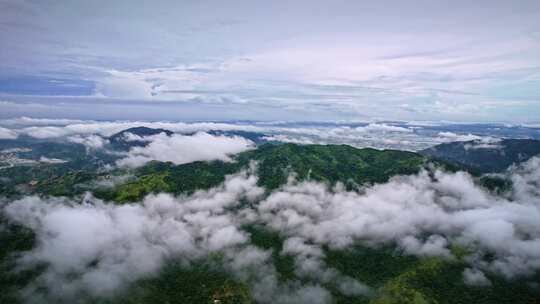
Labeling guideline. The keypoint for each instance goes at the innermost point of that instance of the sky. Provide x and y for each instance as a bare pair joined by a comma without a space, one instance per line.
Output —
467,61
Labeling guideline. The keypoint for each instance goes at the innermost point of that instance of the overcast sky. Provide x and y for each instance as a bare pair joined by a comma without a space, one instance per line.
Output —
267,60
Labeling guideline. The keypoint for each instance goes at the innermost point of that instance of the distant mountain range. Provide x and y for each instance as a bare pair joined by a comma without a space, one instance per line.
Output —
331,163
483,156
479,156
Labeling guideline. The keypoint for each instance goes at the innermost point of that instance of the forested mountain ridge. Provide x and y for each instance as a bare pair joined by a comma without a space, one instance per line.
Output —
485,156
274,164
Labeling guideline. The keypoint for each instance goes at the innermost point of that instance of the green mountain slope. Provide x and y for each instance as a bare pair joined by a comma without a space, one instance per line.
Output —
76,165
275,163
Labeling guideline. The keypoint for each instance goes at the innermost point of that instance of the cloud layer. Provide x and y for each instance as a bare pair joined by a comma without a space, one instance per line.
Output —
422,215
90,142
7,133
181,149
379,134
96,248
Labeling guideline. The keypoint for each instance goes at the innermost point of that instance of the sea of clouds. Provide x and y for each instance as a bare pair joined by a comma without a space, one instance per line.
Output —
98,248
412,136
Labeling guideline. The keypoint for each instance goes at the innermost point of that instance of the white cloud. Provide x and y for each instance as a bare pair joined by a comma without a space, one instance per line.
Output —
421,214
123,85
289,139
45,132
7,134
47,160
128,136
376,127
99,248
90,141
30,121
181,149
108,128
395,136
128,242
451,136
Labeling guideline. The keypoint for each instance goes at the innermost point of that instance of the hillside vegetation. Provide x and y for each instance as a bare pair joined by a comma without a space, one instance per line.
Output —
275,163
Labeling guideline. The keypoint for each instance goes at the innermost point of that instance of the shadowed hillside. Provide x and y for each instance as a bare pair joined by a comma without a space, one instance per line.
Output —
485,157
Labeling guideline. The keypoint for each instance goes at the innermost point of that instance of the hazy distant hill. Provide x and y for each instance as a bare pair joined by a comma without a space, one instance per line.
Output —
257,138
121,140
485,156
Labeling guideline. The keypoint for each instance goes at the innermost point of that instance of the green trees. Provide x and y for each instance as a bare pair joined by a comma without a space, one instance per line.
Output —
275,163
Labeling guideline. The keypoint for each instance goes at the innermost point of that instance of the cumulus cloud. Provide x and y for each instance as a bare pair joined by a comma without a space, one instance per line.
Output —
525,179
128,136
90,141
422,214
181,149
98,248
7,133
